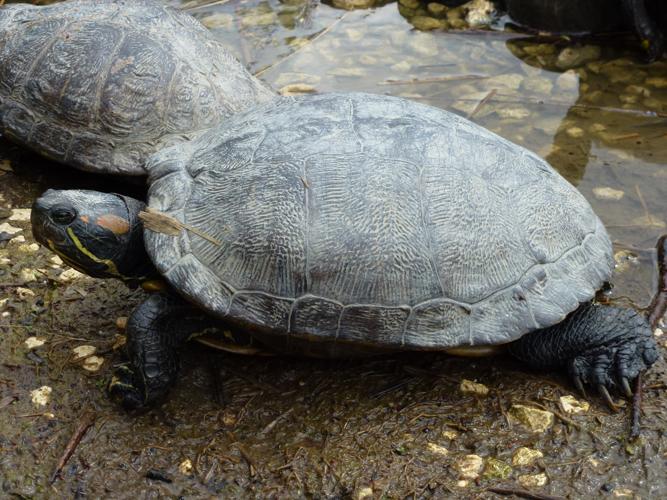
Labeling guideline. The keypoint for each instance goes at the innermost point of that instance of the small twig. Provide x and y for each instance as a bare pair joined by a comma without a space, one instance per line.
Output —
521,493
649,218
310,42
85,422
275,421
635,428
482,102
659,303
433,79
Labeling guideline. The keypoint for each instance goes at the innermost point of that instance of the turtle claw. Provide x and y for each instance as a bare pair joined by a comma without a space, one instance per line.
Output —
578,383
125,389
602,390
626,387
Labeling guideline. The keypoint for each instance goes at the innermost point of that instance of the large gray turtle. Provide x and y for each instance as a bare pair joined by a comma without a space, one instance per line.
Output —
102,84
348,224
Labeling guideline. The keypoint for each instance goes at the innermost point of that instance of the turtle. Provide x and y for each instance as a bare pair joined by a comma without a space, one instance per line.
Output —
100,85
352,224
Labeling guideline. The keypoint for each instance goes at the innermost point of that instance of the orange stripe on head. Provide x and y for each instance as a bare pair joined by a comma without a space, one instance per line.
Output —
85,218
113,223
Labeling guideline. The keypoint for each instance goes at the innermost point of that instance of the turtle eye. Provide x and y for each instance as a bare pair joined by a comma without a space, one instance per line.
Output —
62,215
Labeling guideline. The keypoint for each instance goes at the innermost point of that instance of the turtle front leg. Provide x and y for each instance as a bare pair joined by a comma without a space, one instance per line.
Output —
156,330
646,28
602,346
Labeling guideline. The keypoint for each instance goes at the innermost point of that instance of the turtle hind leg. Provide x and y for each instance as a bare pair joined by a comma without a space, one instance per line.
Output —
156,330
603,347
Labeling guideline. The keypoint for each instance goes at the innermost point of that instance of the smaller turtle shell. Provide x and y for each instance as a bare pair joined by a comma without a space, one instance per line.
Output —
101,85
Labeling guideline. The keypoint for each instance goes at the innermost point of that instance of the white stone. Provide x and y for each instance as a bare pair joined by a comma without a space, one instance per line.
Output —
20,214
532,480
607,193
6,227
534,419
69,275
364,492
34,342
185,467
41,396
437,449
83,351
470,387
569,404
470,466
93,363
525,456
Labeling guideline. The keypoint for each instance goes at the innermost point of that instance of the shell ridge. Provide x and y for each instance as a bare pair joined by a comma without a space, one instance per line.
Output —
97,103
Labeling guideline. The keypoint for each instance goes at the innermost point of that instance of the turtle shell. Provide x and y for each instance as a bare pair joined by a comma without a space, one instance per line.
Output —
376,221
102,84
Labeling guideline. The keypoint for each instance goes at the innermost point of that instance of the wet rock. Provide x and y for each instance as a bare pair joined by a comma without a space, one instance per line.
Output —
470,466
425,23
219,20
658,82
624,260
437,9
437,449
410,4
93,363
20,215
258,17
83,351
353,4
479,12
532,480
470,387
34,342
607,193
525,456
539,49
572,57
513,112
41,396
571,405
497,469
533,418
297,89
575,132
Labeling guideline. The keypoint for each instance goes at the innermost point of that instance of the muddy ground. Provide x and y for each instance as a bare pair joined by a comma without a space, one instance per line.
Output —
392,427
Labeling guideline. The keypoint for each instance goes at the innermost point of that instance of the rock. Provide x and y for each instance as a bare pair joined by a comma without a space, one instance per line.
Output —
532,480
538,85
508,80
353,4
534,419
425,23
657,332
27,275
511,112
497,469
607,193
437,449
462,483
659,82
297,89
364,492
470,466
20,215
69,275
34,342
575,132
258,18
28,248
470,387
569,404
637,90
410,4
624,260
185,467
83,351
5,227
479,12
93,363
525,456
572,57
449,434
596,128
41,396
219,20
623,493
57,261
435,8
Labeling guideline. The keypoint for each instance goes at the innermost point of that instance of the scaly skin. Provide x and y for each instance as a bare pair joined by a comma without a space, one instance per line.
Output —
603,346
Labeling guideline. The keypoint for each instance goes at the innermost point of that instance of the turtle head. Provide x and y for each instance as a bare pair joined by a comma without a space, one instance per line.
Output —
99,234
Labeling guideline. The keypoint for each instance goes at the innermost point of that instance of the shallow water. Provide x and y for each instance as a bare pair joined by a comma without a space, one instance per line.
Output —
299,427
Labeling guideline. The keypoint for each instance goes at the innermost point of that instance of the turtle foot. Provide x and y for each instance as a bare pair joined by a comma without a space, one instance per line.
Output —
127,389
614,367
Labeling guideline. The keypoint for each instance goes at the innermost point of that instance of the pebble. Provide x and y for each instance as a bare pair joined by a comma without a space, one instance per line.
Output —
69,275
426,23
470,466
6,227
24,293
525,456
534,419
513,112
219,20
364,492
297,89
449,434
532,480
41,396
480,12
658,332
27,275
571,57
538,85
435,8
470,387
20,214
34,342
575,132
93,363
497,469
185,467
437,449
353,4
83,351
607,193
571,405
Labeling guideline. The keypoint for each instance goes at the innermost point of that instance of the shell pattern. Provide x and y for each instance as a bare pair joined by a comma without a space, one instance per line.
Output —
100,85
372,220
